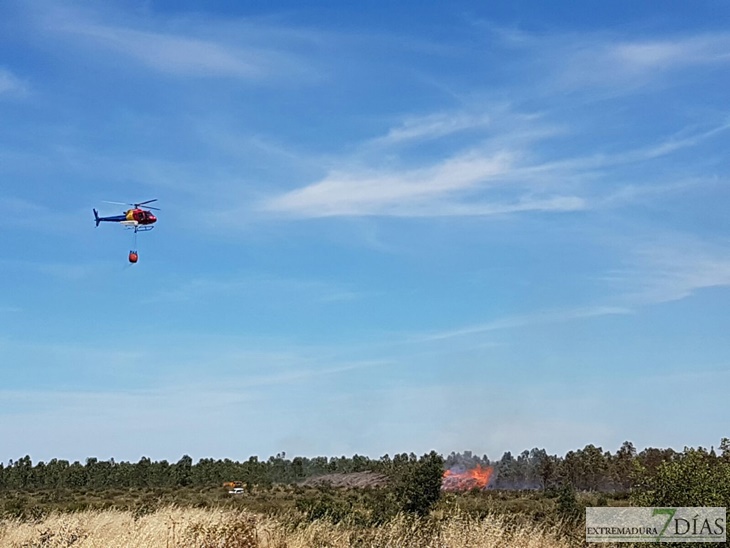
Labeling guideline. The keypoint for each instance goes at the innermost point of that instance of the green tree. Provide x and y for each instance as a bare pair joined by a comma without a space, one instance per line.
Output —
568,507
76,474
507,471
419,486
297,466
651,458
56,474
571,468
725,448
593,464
695,478
623,465
184,471
547,470
23,469
142,474
98,473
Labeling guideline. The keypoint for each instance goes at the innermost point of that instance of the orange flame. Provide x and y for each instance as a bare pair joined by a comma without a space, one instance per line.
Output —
476,478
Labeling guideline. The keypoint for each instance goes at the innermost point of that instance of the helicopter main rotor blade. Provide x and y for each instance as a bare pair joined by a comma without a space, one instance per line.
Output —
135,205
140,204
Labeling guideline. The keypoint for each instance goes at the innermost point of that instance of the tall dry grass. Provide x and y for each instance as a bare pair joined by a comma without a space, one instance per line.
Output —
175,527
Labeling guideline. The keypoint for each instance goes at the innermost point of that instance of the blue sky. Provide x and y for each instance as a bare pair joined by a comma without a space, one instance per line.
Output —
451,226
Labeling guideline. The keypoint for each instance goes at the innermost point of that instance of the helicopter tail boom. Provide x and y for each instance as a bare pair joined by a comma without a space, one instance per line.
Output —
112,219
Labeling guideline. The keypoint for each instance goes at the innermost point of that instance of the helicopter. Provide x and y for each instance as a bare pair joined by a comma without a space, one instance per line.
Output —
138,218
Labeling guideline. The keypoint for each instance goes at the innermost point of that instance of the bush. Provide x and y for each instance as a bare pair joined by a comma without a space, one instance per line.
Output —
419,486
568,507
695,478
320,507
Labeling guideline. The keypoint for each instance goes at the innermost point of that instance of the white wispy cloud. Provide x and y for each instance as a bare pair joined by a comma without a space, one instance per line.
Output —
637,193
225,387
10,84
591,165
673,268
66,271
600,60
205,48
198,288
76,355
22,206
179,54
603,62
293,376
673,53
526,320
39,217
490,175
343,193
490,156
484,180
433,126
687,138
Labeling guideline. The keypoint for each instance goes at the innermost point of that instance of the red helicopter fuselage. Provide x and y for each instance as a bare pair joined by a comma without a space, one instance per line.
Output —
142,216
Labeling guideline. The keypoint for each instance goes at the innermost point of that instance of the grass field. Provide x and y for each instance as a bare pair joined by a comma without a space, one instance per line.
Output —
283,517
229,528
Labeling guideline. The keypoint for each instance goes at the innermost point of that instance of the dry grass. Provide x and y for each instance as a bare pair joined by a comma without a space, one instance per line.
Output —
175,527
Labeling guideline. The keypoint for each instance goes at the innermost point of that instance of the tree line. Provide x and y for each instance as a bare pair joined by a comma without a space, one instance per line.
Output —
590,468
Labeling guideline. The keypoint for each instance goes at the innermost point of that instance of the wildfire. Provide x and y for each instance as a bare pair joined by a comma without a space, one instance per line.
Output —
476,478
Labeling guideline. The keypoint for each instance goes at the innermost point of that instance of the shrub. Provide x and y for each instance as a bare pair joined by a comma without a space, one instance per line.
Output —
419,486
